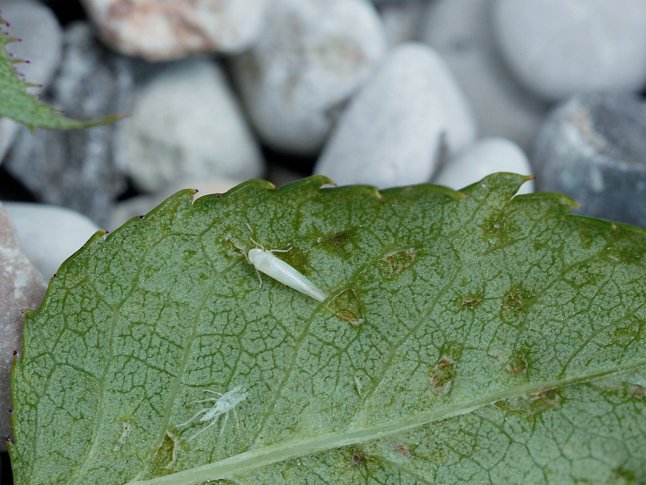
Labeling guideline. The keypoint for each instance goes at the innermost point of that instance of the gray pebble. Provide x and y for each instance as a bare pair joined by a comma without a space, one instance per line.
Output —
403,21
76,168
593,149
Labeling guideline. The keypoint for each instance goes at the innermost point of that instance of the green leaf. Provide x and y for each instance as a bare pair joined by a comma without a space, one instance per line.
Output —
467,337
16,102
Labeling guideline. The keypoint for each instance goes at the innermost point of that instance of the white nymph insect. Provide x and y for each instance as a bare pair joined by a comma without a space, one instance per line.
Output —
265,261
223,404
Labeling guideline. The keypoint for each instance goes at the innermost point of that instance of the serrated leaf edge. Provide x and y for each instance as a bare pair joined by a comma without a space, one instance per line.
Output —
275,453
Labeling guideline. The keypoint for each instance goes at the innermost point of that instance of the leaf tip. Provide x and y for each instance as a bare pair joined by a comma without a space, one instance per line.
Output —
106,120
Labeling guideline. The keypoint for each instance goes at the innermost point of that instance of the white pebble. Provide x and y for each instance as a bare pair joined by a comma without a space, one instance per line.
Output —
559,48
483,158
47,234
308,61
186,123
395,128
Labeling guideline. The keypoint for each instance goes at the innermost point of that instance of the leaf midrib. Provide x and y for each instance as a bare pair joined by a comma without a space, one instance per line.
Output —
291,449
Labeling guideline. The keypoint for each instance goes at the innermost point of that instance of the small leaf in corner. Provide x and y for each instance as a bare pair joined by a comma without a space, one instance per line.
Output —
19,105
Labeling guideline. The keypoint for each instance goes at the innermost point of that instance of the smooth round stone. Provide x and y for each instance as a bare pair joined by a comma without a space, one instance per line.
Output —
186,122
485,157
21,287
41,44
296,78
47,234
163,30
560,48
461,32
593,149
400,123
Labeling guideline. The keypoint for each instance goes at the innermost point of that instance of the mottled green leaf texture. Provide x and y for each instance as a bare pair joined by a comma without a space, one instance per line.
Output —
19,105
471,336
